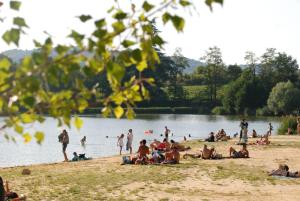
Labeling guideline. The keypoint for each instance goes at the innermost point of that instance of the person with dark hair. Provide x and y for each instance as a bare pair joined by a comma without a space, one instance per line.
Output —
64,139
211,137
283,170
164,146
143,151
167,131
6,194
129,141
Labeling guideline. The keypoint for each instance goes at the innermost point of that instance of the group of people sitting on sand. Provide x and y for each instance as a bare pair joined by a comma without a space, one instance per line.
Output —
6,194
161,153
220,136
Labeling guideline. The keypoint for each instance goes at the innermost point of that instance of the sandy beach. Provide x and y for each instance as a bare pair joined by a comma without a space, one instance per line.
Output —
192,179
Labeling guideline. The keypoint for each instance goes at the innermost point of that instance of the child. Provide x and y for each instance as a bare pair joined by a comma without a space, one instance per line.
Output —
121,142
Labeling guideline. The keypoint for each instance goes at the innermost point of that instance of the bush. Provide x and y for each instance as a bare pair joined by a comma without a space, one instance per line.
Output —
287,122
264,111
219,110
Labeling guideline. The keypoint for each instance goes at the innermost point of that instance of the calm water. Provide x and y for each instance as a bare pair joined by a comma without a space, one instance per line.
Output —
96,130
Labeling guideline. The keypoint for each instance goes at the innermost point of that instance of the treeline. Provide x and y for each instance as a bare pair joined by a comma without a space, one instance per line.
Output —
264,85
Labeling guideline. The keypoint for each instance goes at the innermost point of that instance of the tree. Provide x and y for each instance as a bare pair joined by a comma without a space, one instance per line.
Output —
284,98
214,71
247,92
26,94
251,61
233,72
180,63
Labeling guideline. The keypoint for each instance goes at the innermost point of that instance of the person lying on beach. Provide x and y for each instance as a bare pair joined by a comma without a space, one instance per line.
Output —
211,137
178,146
143,151
172,157
283,170
243,153
164,146
154,144
6,194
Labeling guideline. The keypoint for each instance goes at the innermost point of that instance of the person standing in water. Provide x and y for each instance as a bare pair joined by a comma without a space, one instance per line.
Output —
167,131
129,141
120,142
64,139
83,141
270,128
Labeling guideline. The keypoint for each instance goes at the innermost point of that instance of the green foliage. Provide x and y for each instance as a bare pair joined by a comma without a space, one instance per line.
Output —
264,111
284,98
246,92
219,110
287,122
60,85
15,5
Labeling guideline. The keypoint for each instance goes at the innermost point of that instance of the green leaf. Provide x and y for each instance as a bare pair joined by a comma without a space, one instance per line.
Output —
5,63
19,129
77,37
106,111
84,18
210,2
127,43
100,23
82,105
78,122
166,17
118,26
119,111
15,5
184,3
29,101
158,40
27,137
12,35
39,136
19,21
116,71
137,55
147,7
27,118
178,22
120,15
130,113
142,65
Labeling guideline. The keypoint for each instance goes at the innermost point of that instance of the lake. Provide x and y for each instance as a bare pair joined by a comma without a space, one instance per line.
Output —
98,145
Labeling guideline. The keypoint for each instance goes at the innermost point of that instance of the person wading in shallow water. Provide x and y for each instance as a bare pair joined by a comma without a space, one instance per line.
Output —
129,141
64,139
167,131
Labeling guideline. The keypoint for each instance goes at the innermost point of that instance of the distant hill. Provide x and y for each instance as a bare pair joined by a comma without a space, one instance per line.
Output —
16,55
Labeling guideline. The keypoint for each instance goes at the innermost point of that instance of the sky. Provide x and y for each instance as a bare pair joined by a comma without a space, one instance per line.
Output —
236,27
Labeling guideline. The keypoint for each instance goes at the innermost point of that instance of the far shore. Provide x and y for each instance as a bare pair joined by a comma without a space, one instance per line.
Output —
192,179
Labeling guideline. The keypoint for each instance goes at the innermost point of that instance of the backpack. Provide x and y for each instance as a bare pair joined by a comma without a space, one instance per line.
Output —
60,137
